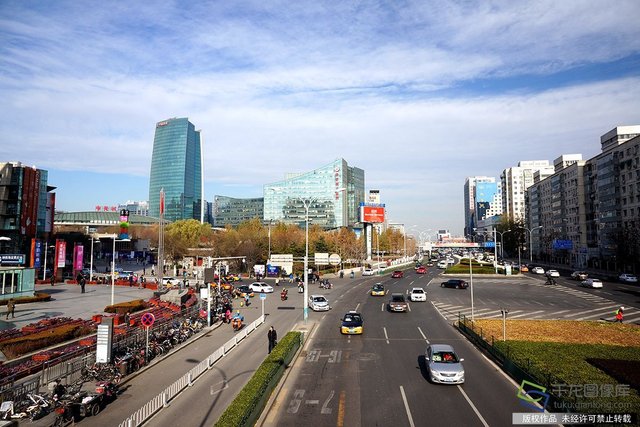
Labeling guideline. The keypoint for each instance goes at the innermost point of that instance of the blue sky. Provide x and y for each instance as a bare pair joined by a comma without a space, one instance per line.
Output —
418,94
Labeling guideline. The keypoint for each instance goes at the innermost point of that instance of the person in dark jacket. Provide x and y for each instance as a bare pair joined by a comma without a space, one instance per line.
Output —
272,335
11,307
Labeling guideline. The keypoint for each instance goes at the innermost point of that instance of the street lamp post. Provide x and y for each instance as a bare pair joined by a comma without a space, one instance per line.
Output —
502,242
530,240
306,204
471,283
91,261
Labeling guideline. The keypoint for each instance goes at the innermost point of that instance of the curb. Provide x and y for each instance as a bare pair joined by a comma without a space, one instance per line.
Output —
262,420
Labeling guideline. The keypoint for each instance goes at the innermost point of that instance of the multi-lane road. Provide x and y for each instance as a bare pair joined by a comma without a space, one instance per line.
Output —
379,378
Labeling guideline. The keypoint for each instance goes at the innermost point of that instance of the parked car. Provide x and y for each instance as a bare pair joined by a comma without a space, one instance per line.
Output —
421,270
524,268
352,324
579,275
553,273
537,270
443,364
591,283
417,294
398,274
261,287
455,283
367,272
397,303
378,290
429,264
628,278
318,303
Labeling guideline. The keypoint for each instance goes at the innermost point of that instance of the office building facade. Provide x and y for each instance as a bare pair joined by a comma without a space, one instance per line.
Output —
27,205
232,211
488,185
176,168
332,193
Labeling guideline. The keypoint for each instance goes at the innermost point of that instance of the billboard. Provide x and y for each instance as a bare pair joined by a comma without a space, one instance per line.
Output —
372,214
562,244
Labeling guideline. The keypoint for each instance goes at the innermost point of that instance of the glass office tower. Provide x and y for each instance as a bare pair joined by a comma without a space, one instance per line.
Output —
176,167
332,192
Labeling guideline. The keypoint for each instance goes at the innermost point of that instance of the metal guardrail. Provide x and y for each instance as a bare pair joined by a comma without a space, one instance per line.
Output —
173,390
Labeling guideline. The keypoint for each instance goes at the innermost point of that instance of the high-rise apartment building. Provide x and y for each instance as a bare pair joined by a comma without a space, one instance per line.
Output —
332,193
587,213
176,168
514,183
482,199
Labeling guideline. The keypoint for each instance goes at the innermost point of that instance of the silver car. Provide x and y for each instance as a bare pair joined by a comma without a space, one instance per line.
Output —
318,303
443,364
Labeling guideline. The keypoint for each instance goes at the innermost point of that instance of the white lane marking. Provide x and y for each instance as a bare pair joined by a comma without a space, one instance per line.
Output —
531,313
408,307
385,334
423,335
484,423
406,406
439,312
411,283
312,402
382,307
357,306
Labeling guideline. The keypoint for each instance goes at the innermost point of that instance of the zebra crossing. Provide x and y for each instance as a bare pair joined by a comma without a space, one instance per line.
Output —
604,312
577,293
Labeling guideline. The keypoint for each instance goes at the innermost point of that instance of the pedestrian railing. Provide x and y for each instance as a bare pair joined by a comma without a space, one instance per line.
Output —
173,390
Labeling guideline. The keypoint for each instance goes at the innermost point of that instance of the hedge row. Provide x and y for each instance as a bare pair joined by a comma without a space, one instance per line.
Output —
238,413
126,307
39,296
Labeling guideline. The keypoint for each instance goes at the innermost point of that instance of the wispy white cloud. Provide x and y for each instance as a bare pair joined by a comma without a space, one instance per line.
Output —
279,87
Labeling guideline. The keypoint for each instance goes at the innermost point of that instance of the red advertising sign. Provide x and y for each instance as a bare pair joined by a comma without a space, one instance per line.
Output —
78,257
372,214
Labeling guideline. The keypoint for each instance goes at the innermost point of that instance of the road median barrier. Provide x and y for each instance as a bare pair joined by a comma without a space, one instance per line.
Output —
249,403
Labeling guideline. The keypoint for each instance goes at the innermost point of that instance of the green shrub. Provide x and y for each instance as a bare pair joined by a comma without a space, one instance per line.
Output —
249,397
562,363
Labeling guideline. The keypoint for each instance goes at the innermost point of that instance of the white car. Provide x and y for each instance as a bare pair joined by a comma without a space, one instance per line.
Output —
261,287
537,270
553,273
417,294
442,264
367,272
628,278
591,283
318,303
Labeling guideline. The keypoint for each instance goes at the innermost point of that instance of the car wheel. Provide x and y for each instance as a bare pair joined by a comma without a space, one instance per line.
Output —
457,286
442,285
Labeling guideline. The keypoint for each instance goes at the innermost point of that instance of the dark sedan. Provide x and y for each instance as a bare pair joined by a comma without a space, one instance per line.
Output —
455,283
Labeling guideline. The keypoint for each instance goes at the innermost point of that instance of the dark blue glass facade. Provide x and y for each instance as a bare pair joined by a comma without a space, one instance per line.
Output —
176,167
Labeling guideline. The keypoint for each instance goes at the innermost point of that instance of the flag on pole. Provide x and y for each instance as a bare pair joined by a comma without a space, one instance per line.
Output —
161,201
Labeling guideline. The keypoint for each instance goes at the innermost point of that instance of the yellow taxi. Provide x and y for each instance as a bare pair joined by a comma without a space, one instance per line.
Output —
378,290
352,324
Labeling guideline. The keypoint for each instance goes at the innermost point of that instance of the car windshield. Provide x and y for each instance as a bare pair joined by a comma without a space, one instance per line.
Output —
445,357
352,318
378,288
319,299
418,291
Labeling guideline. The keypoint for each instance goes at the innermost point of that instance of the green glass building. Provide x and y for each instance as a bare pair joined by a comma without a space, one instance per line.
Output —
332,192
176,167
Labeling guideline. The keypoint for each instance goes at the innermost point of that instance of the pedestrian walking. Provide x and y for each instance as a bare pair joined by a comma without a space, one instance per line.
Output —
11,307
272,335
53,279
83,282
620,315
131,280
